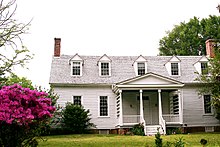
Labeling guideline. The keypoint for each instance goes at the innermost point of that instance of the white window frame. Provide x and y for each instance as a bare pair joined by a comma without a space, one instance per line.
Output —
100,71
136,67
203,104
201,68
178,63
80,68
99,106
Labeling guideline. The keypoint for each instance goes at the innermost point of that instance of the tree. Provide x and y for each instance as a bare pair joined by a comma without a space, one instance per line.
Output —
14,79
12,50
189,38
76,118
22,114
210,84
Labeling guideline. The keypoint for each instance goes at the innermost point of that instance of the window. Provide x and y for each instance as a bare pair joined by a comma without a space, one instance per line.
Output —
174,69
105,69
77,100
103,106
204,68
76,70
207,104
141,68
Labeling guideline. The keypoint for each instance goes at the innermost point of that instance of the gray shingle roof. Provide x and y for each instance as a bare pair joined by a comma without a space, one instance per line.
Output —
121,69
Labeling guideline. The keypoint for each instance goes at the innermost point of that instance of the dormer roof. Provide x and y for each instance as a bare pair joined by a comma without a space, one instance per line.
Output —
76,57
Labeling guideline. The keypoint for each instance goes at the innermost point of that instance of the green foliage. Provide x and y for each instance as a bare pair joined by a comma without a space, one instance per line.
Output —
210,84
188,38
76,118
14,79
179,142
158,139
138,129
13,52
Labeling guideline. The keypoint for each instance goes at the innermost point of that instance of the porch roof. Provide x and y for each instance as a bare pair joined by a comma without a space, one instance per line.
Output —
148,81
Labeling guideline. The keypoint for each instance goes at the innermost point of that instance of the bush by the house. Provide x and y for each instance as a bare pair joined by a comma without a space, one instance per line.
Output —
138,129
158,139
24,114
76,118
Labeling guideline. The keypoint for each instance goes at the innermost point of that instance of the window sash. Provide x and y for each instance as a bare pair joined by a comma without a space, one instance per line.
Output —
141,68
207,104
76,68
174,69
103,106
104,69
77,100
204,68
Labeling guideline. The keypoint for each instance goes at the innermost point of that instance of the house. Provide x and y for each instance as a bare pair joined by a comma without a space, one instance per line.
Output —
121,91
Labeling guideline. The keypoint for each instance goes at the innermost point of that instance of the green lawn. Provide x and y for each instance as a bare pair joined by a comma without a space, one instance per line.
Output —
94,140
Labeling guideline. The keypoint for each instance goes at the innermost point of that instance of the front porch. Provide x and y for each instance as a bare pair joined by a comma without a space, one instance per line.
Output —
155,106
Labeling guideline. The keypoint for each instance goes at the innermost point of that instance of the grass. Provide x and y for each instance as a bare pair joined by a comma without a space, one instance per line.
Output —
94,140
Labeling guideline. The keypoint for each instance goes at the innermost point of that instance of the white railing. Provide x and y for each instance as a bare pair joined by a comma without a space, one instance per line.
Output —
131,119
171,117
163,124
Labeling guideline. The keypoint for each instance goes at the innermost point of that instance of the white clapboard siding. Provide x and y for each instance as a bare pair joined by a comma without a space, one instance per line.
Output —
90,99
193,110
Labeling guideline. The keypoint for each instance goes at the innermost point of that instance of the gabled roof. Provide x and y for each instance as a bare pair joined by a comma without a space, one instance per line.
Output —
202,59
173,59
76,57
146,81
140,59
121,69
142,80
104,58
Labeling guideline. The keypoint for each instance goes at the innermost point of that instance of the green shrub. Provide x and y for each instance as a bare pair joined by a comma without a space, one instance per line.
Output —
138,129
76,119
158,139
179,142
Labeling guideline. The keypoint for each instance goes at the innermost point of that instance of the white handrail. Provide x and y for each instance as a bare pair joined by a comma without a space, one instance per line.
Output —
163,124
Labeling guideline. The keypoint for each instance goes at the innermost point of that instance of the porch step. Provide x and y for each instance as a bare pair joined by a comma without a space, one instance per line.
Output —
152,130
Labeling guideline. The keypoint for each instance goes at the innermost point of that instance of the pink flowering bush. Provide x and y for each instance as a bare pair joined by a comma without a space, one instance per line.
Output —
22,114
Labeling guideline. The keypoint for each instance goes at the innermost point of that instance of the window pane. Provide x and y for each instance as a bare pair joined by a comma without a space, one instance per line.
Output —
76,68
103,106
104,69
204,68
174,69
207,103
141,68
77,100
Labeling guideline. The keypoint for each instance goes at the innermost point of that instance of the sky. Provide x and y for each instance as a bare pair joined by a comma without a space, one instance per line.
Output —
97,27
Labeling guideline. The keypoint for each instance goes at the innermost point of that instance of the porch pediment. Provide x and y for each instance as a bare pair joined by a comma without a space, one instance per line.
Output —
150,80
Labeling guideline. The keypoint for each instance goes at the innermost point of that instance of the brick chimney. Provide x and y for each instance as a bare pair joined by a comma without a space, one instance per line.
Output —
210,47
57,42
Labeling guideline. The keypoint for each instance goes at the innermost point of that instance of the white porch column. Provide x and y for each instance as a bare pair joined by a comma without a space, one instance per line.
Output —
180,106
159,105
121,110
141,107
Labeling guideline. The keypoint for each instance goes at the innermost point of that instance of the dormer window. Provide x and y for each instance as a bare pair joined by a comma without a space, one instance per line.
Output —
104,69
76,63
104,64
76,69
204,68
141,68
174,69
173,66
201,65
